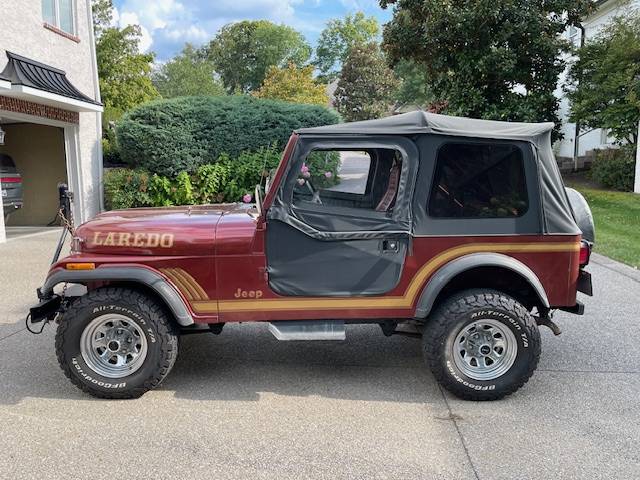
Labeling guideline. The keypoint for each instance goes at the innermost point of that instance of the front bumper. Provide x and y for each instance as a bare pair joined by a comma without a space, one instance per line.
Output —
46,309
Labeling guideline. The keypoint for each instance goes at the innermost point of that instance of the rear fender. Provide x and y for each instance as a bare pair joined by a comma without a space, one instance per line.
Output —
142,276
468,262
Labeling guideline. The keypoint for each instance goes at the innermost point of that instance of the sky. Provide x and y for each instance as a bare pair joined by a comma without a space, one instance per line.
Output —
168,24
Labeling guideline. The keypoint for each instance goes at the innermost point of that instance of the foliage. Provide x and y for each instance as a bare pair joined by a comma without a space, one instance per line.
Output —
617,219
180,134
615,168
102,11
124,71
493,59
339,37
242,52
227,180
293,84
414,86
124,188
604,84
321,167
366,84
189,73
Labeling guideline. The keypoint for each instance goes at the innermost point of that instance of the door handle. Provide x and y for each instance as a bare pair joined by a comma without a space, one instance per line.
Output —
390,246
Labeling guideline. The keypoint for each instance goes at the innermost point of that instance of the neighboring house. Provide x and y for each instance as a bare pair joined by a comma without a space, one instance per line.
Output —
589,140
50,106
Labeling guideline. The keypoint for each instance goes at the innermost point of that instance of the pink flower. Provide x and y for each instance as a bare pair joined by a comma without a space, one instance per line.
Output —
301,181
246,198
328,174
304,169
306,174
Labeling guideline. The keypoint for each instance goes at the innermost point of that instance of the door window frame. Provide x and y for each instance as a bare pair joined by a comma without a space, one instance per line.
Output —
400,218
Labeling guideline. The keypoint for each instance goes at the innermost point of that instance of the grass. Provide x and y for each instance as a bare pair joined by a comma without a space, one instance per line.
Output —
617,219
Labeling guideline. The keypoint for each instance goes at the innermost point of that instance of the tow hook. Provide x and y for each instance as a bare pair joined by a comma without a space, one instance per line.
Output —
546,320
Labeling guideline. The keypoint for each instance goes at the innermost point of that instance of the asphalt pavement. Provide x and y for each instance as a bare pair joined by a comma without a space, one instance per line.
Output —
243,405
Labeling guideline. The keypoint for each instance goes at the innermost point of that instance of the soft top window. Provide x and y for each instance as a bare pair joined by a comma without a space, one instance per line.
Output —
478,181
360,178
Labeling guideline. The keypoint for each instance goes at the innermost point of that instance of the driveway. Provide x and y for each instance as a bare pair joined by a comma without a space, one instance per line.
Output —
243,405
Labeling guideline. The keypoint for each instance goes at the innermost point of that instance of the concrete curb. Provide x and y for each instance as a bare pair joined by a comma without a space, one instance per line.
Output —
621,268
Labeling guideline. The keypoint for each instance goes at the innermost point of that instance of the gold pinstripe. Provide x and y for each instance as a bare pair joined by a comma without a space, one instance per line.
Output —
396,302
189,287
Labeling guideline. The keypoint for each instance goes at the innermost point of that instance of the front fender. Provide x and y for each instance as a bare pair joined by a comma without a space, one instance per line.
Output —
449,271
143,276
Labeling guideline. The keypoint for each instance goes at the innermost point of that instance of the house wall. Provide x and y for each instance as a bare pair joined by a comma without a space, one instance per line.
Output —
595,139
22,31
42,165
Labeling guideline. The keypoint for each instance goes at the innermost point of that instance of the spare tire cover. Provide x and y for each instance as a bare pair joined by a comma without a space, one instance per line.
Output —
582,214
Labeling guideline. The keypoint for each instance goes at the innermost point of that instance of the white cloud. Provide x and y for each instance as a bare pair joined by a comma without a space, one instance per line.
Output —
168,24
131,18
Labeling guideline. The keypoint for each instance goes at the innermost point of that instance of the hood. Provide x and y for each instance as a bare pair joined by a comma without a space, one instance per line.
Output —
185,231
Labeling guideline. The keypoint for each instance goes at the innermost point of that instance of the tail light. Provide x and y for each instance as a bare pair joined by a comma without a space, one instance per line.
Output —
585,253
11,180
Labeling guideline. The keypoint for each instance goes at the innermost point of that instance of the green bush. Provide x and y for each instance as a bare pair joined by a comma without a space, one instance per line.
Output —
227,180
125,188
181,134
615,168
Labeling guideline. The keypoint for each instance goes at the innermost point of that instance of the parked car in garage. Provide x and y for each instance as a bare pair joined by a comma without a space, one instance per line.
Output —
10,184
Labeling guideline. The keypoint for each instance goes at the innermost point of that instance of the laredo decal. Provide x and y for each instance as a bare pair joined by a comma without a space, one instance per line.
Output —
132,239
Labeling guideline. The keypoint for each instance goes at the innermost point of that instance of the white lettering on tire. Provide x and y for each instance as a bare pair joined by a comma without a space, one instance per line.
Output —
95,381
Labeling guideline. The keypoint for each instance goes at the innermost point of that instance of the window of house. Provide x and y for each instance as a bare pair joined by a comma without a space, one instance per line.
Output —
478,180
60,14
349,178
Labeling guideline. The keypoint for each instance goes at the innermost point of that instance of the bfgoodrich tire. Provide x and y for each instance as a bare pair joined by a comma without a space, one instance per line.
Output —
116,343
481,345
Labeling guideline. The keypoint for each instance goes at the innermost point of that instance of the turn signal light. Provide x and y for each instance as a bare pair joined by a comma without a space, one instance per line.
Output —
80,266
585,253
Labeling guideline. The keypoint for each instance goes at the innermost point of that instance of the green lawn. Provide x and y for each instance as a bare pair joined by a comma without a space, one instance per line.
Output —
617,218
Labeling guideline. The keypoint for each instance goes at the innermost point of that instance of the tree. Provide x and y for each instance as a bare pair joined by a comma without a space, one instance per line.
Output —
366,84
189,73
604,84
494,59
339,36
293,84
243,52
123,71
414,86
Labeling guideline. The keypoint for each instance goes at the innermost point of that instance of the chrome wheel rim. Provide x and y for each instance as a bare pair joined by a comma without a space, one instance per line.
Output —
113,345
485,349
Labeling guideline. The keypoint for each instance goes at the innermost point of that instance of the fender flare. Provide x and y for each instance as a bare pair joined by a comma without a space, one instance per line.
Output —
140,275
467,262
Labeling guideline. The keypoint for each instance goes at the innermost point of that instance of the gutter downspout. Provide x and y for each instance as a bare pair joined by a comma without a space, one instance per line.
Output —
96,89
576,135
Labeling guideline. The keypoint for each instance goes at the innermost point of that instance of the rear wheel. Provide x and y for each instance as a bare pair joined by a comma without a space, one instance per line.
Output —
481,345
116,343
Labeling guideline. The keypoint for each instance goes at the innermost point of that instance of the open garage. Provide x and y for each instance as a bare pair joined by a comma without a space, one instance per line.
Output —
38,153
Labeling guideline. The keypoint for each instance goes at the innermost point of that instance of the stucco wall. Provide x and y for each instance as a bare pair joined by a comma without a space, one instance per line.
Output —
22,32
42,165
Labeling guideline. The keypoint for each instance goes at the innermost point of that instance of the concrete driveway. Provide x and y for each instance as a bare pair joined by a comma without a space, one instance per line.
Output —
242,405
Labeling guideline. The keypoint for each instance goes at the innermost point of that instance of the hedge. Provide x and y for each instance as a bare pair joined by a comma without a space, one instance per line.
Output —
227,180
181,134
615,168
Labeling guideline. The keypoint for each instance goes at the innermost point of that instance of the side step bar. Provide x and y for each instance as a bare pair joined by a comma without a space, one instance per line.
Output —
308,330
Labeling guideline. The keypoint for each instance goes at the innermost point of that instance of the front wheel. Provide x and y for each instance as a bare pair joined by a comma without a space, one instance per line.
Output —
116,343
481,345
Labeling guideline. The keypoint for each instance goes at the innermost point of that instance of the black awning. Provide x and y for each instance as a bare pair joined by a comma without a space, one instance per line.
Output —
29,73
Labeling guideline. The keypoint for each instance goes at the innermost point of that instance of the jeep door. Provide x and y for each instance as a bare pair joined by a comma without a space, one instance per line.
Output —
340,224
